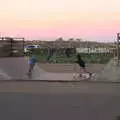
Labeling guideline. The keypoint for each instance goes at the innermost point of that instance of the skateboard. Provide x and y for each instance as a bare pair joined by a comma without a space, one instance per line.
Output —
82,76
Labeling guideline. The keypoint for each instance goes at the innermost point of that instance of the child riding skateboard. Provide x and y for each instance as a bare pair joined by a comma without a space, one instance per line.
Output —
82,64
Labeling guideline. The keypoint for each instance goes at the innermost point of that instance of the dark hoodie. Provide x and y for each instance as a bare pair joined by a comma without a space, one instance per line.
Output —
80,61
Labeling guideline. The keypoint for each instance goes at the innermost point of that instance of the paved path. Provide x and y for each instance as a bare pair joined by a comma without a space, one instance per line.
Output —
53,101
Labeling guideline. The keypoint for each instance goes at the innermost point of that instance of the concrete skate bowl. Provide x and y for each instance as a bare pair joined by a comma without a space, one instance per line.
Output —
110,73
63,72
16,68
13,67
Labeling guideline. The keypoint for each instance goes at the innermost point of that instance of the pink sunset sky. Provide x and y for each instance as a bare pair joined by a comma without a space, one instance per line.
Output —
96,20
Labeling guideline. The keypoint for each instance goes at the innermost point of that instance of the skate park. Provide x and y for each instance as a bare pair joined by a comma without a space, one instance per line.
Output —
58,94
58,86
16,68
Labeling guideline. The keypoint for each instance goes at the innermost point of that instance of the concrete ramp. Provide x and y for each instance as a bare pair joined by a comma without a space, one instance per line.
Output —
39,74
13,68
110,73
4,76
17,69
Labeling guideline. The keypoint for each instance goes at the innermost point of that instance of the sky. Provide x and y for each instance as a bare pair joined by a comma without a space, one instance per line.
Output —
92,20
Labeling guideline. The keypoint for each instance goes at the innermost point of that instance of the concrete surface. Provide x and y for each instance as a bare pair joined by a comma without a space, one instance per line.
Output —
17,68
46,101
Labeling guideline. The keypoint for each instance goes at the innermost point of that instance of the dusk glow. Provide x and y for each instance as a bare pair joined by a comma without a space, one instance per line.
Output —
50,19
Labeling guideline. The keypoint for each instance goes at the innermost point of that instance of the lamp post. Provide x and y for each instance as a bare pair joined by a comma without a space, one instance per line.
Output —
118,51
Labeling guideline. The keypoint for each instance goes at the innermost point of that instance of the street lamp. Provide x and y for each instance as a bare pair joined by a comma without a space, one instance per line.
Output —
118,51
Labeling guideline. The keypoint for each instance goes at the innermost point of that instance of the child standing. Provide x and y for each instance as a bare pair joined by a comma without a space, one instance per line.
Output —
32,63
